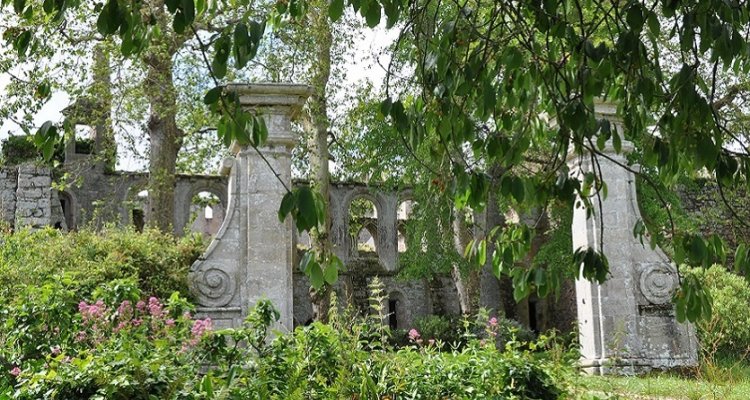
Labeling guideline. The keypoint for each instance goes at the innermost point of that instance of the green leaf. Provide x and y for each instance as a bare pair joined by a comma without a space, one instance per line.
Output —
315,274
207,386
241,45
19,6
482,255
372,17
22,43
306,206
331,274
221,55
518,189
109,18
288,204
617,142
385,107
497,262
188,9
305,261
696,249
336,9
213,95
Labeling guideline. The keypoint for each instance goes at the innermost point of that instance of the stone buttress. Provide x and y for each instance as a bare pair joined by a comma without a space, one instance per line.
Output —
627,325
251,256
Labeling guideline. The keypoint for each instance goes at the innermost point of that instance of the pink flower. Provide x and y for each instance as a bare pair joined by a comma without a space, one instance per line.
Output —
80,336
15,371
169,322
431,342
55,350
125,309
92,311
137,322
141,306
154,307
201,326
187,315
414,335
493,321
122,325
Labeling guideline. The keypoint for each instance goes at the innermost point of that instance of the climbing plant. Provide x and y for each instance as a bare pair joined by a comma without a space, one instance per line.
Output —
506,91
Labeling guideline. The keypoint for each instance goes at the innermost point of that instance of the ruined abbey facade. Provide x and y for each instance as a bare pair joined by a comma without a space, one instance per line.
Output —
253,255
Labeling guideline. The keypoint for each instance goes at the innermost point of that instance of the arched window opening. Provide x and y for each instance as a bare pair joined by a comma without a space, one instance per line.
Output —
66,203
363,225
405,209
401,239
139,219
137,211
84,139
206,213
403,215
396,311
366,242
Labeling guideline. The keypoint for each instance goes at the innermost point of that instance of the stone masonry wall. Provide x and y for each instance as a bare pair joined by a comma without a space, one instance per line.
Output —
27,198
8,183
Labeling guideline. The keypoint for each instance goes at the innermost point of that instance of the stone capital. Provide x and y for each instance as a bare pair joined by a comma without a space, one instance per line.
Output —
279,103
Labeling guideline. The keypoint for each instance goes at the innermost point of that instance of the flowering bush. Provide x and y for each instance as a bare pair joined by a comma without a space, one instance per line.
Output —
148,349
103,350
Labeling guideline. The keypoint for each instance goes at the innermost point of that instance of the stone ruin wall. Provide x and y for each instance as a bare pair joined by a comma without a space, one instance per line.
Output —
27,198
250,260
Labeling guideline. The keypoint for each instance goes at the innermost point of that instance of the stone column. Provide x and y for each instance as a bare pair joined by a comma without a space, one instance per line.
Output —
627,325
251,256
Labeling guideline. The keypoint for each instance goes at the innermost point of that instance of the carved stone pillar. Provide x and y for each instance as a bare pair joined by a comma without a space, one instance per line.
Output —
627,325
252,254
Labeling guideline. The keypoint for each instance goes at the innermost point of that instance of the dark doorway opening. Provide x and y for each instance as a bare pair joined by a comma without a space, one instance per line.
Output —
139,220
533,323
392,317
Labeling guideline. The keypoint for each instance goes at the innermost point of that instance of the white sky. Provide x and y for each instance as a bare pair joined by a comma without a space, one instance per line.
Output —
363,67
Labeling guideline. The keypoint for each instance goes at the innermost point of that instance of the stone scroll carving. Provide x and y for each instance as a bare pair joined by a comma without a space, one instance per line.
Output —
212,286
213,279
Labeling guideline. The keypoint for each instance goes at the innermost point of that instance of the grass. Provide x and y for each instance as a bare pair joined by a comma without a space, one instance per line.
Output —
724,378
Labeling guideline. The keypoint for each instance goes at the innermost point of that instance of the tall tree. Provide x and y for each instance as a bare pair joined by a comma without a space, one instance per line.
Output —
317,124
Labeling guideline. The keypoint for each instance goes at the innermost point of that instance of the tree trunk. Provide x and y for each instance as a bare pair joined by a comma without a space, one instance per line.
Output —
165,137
317,125
490,296
467,282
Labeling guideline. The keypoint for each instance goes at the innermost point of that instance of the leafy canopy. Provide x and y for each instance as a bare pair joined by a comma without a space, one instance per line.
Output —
510,87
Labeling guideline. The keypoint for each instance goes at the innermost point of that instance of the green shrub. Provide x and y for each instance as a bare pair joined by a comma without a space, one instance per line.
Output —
445,329
728,329
88,259
151,350
334,362
20,149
